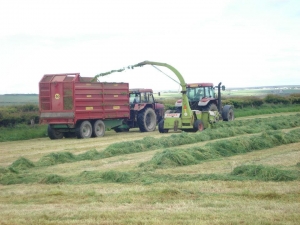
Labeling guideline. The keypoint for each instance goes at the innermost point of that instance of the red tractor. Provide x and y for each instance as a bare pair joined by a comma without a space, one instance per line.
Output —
145,113
203,97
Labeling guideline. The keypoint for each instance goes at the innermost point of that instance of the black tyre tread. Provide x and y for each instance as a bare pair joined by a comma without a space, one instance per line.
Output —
161,127
53,134
142,120
95,133
227,113
79,129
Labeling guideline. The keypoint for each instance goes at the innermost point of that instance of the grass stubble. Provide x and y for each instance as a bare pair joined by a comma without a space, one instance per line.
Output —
163,201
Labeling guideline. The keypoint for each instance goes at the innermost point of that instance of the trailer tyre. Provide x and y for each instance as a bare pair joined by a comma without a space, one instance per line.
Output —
84,129
227,113
98,128
161,127
198,125
54,134
147,120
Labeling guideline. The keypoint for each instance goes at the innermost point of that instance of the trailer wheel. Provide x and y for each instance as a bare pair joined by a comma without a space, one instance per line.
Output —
54,134
84,129
147,120
198,125
161,127
98,129
227,113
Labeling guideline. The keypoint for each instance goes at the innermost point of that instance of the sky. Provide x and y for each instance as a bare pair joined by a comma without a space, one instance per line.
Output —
241,43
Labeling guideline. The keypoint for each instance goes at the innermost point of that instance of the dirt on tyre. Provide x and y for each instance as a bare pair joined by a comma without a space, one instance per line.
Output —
147,120
54,134
83,129
98,128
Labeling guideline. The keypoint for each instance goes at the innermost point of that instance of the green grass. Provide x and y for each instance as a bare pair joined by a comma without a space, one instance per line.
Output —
22,132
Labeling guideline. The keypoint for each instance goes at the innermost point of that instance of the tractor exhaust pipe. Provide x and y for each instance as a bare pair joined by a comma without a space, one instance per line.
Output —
219,97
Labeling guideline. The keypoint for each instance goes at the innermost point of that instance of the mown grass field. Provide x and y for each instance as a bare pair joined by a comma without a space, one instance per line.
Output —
243,172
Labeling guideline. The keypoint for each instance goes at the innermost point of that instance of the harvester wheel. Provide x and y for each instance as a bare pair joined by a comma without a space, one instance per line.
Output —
54,134
161,127
198,125
210,107
84,129
98,128
147,120
227,113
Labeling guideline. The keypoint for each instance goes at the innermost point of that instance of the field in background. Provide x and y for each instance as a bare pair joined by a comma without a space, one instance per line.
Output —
17,99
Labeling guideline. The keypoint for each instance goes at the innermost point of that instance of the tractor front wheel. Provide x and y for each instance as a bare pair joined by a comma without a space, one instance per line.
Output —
147,120
210,107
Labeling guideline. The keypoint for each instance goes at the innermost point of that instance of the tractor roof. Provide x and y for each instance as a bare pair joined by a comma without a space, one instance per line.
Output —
200,85
140,90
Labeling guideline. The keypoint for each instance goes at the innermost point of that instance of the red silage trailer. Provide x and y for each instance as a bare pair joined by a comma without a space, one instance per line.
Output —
72,105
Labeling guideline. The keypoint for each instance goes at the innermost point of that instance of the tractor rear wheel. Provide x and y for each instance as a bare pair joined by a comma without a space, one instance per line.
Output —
198,125
98,128
210,107
227,113
84,129
161,127
147,120
54,134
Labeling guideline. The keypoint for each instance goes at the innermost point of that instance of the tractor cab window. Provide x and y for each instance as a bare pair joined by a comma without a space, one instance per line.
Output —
209,92
147,97
195,93
134,98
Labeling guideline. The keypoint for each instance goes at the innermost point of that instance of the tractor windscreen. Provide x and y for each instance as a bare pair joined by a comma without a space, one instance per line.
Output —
197,93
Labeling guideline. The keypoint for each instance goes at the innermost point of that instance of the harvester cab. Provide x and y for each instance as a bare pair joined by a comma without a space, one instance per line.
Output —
206,97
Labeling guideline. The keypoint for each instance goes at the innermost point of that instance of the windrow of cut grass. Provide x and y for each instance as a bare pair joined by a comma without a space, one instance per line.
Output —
218,149
19,171
222,130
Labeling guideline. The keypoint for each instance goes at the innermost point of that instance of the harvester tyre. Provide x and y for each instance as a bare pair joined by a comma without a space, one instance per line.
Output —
98,128
161,127
227,113
84,129
54,134
210,107
147,120
198,125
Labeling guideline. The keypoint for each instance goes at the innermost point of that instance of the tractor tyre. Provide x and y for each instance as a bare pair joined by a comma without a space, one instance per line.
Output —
198,125
54,134
98,128
210,107
161,127
147,120
83,129
227,113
